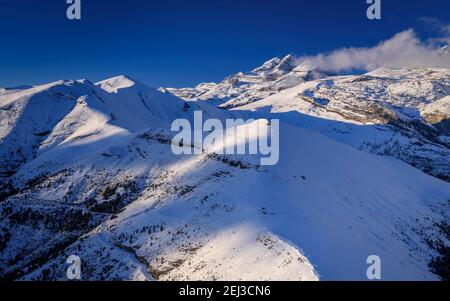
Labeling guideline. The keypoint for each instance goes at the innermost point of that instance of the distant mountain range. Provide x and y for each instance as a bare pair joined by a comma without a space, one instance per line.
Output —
395,112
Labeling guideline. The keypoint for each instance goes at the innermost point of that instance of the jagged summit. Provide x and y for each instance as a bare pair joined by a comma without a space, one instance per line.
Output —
239,88
285,64
268,65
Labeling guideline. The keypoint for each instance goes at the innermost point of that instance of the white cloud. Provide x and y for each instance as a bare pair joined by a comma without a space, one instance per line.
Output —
403,50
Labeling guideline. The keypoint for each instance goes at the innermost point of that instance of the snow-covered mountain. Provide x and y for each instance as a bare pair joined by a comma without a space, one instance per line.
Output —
87,170
35,120
243,88
395,112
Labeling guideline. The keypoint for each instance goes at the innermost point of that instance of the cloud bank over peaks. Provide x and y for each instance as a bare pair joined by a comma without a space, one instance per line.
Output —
404,50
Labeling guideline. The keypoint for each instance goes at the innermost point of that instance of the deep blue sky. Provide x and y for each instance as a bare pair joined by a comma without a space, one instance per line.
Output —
181,43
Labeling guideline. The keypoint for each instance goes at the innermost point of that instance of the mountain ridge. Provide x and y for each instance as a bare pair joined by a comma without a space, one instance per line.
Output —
392,100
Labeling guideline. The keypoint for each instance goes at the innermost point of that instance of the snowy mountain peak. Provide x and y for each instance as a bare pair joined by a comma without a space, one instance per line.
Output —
268,65
276,66
112,85
287,63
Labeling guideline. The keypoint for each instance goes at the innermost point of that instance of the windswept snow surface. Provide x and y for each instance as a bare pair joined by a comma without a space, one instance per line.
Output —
87,170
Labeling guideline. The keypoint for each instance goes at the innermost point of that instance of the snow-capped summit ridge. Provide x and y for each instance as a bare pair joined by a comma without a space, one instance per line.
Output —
243,87
268,65
116,83
283,65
